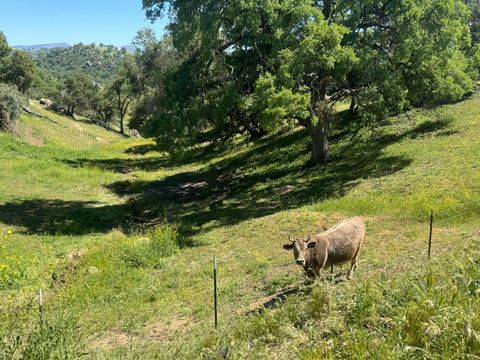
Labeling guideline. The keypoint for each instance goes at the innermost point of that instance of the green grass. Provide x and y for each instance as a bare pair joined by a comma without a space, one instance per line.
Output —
72,194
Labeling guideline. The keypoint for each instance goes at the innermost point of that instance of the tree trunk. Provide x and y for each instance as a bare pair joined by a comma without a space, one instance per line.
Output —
71,112
327,8
322,114
353,106
256,132
122,127
123,109
320,148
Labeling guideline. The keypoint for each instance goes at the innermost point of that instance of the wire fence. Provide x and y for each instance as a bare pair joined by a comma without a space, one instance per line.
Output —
432,245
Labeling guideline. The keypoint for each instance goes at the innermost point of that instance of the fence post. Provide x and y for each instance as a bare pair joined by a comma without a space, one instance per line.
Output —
430,236
215,289
40,306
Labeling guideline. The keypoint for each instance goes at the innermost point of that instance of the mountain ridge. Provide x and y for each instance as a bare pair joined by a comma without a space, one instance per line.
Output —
61,45
42,46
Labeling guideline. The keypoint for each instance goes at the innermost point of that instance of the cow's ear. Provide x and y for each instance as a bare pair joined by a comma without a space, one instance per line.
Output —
288,246
312,244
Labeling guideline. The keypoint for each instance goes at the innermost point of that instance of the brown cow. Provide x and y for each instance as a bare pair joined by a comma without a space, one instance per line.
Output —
338,245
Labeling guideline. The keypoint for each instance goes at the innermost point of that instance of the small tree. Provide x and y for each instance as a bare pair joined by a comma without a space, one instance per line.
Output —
45,85
104,106
78,93
4,48
153,59
125,88
19,70
11,105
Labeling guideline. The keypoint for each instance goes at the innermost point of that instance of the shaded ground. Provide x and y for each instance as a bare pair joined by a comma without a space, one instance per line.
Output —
62,217
264,179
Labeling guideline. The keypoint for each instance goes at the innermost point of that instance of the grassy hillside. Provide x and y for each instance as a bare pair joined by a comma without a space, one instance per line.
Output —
75,201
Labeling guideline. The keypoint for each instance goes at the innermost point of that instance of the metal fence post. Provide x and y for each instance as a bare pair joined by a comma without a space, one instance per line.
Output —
430,236
215,289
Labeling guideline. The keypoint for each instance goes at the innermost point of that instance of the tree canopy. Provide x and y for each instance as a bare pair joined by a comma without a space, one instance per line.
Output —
78,93
257,65
16,67
20,70
4,48
96,60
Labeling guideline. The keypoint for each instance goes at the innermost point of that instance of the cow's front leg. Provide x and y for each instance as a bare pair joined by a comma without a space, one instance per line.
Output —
310,272
316,272
321,265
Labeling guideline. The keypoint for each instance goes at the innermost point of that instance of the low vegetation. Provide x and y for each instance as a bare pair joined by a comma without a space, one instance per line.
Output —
121,237
11,105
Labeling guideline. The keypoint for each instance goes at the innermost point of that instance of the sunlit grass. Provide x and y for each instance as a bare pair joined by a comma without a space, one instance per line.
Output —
133,292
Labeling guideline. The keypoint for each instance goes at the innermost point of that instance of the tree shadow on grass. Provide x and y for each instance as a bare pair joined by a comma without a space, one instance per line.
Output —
142,149
265,178
123,166
152,163
74,218
438,128
62,217
196,155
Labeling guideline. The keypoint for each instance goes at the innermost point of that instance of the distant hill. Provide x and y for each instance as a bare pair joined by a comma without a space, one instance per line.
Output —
42,46
129,48
98,61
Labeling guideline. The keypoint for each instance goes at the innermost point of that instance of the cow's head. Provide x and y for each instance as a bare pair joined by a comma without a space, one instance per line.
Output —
300,248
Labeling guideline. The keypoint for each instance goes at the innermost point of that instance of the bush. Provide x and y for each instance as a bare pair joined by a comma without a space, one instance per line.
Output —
11,104
156,245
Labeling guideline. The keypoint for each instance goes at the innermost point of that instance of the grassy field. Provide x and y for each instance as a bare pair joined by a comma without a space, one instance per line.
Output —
76,201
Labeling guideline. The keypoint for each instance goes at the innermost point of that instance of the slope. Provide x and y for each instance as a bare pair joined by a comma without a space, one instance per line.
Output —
114,288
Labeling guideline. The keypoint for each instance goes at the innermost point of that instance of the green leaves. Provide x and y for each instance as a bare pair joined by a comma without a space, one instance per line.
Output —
19,70
4,48
277,105
78,92
274,63
97,61
306,70
11,104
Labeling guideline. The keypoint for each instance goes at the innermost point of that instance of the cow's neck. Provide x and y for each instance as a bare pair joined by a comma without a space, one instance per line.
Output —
316,254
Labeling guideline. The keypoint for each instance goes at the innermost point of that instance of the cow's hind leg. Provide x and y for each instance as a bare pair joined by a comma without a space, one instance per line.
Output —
354,262
353,268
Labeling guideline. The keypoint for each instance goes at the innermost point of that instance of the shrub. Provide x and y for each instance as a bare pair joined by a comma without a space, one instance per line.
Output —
157,244
11,104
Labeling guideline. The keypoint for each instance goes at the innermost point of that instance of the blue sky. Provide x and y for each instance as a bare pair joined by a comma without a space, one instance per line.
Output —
28,22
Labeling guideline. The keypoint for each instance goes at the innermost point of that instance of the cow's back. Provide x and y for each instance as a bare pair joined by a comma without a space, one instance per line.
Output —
344,240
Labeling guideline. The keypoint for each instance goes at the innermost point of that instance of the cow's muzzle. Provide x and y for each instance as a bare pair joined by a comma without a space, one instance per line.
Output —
301,262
